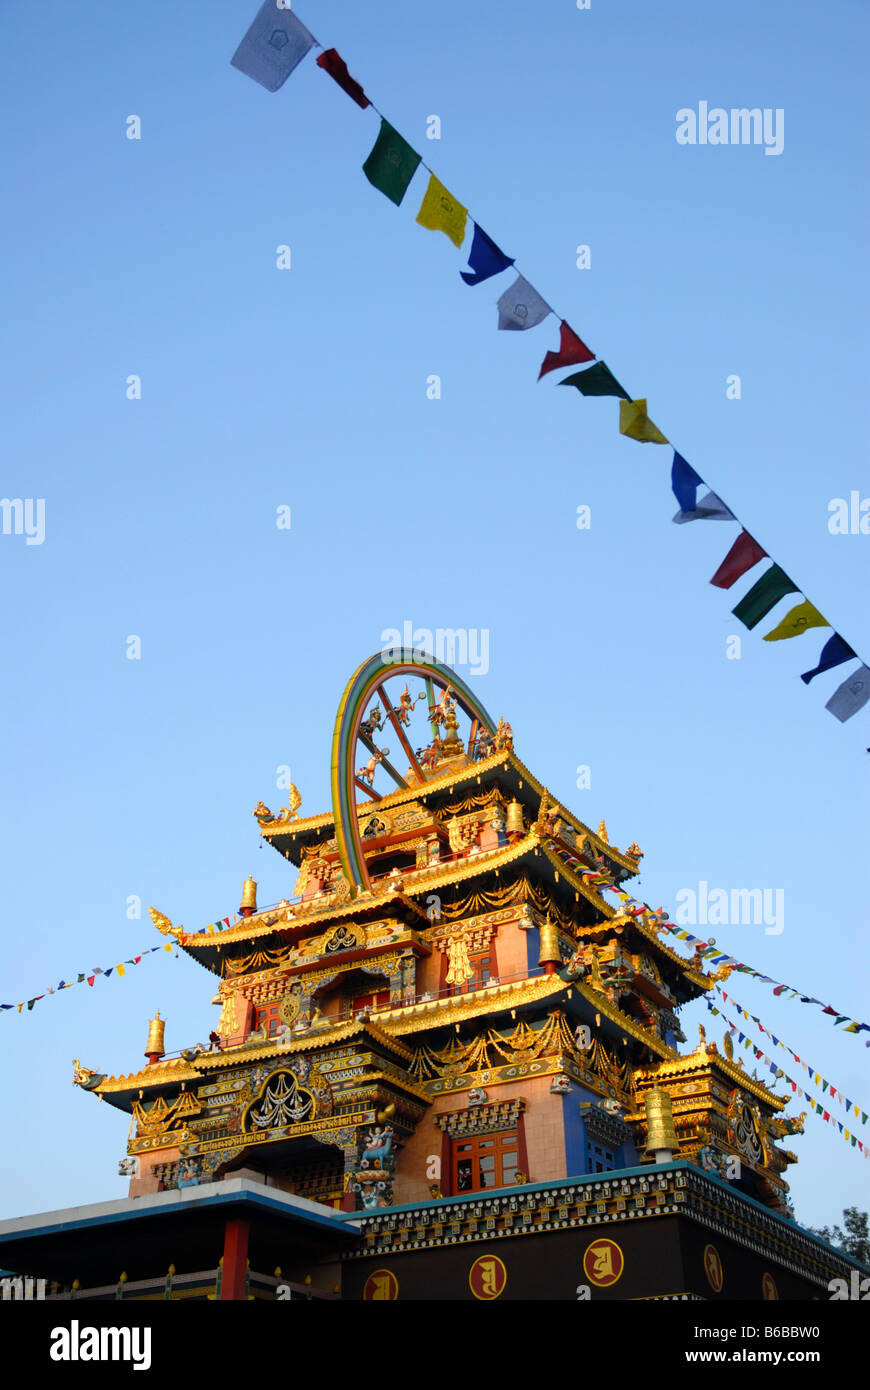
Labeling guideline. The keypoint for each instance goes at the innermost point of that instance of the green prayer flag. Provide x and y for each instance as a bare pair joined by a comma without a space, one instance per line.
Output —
597,380
391,164
771,587
79,980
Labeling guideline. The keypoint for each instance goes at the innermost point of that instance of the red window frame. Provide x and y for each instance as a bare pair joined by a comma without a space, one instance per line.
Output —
269,1015
479,1162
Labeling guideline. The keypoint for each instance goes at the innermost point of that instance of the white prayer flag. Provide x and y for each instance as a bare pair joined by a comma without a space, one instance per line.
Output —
275,43
710,508
851,696
521,306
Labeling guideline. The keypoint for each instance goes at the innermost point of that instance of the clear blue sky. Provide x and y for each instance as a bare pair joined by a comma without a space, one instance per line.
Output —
308,388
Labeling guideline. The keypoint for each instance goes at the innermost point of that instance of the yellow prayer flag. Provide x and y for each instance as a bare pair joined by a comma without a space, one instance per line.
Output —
119,970
636,424
440,212
167,947
846,1132
796,621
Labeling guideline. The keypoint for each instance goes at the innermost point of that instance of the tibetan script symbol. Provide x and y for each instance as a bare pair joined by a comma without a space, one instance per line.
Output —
603,1263
381,1286
713,1268
487,1278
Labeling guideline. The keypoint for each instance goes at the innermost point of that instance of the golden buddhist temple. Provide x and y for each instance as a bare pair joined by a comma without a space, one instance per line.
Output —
454,1048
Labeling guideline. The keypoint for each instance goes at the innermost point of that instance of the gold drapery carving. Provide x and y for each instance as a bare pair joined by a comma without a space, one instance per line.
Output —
256,960
518,891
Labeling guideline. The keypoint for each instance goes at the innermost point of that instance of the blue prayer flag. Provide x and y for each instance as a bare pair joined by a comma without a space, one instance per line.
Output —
834,653
685,483
485,259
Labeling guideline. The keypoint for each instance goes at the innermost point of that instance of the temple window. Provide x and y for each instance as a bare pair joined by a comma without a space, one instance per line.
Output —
487,1160
482,964
269,1018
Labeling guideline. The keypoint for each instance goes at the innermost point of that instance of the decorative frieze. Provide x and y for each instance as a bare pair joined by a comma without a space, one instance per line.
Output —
481,1119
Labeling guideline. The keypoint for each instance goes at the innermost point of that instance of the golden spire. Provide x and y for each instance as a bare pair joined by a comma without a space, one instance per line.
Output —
154,1049
249,897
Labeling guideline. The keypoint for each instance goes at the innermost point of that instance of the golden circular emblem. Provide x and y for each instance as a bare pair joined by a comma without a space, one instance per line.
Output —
382,1285
289,1010
487,1277
603,1263
713,1268
768,1287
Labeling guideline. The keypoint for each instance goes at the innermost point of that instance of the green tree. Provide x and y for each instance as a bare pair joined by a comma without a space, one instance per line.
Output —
853,1238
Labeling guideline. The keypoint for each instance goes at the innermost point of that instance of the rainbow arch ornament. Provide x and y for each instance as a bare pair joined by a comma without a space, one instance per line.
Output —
366,685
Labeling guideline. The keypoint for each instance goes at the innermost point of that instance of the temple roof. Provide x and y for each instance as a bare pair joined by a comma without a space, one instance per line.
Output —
292,836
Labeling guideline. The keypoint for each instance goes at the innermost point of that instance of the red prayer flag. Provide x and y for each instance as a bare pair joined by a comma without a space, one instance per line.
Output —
744,553
571,350
91,979
330,61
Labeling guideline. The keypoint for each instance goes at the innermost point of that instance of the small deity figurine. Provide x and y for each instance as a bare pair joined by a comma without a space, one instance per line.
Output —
440,712
378,1145
403,709
504,735
81,1075
262,812
374,722
367,772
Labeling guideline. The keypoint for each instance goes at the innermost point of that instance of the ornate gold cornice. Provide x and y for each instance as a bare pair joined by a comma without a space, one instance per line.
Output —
706,1063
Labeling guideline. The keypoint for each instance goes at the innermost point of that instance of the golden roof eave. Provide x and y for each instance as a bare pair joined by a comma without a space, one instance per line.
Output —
628,1025
161,1074
449,780
178,1069
715,1061
322,1036
243,931
396,798
438,1013
702,981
